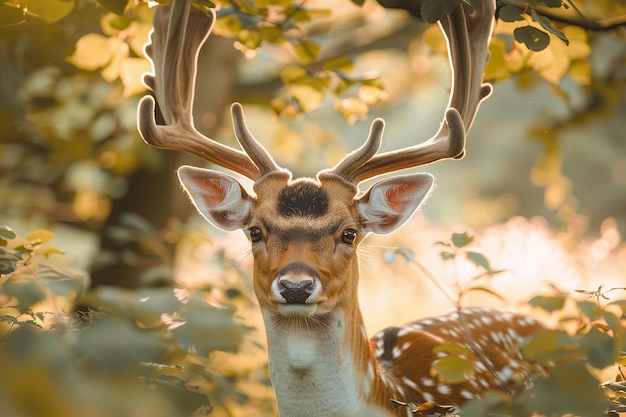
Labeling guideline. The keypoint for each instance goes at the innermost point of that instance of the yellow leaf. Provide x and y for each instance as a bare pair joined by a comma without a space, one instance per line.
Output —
40,237
435,39
131,70
352,109
291,73
580,71
371,94
92,52
496,68
307,51
309,97
118,51
228,25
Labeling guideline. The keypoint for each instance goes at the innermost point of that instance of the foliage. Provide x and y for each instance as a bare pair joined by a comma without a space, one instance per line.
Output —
146,349
568,361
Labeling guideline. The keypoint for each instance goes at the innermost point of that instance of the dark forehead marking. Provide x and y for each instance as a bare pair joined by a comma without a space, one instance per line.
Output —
302,199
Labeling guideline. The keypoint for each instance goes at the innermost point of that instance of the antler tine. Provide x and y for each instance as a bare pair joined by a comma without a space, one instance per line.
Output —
179,32
248,142
358,157
467,38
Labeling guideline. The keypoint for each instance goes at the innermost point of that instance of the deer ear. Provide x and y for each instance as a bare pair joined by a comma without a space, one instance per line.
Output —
218,197
388,204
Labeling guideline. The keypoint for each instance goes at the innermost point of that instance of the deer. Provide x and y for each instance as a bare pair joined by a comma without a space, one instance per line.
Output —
304,235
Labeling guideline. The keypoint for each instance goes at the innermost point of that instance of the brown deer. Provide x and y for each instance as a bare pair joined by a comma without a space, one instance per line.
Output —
305,233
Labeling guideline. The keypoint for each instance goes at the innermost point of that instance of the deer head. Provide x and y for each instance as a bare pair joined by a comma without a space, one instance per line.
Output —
305,232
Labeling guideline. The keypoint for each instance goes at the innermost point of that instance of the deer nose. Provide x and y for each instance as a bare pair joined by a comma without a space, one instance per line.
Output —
295,292
296,284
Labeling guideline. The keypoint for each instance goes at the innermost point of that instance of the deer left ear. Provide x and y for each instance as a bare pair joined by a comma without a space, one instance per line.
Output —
388,204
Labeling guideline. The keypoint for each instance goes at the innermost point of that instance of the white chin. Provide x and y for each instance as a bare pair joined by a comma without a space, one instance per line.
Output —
296,310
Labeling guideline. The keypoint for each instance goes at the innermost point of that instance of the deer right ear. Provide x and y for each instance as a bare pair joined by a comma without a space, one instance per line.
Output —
391,202
218,197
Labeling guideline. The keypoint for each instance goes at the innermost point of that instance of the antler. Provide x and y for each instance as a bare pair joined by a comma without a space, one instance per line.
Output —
179,32
467,35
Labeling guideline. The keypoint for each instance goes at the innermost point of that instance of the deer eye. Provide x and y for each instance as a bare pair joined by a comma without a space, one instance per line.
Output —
348,236
255,234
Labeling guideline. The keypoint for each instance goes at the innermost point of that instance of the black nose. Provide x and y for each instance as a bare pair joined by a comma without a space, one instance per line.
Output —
295,292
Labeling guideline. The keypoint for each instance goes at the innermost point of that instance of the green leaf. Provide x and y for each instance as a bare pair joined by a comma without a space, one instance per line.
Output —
488,291
549,345
552,3
434,10
27,292
589,309
6,233
446,256
600,348
548,303
115,6
569,388
534,39
480,260
65,282
7,267
452,369
547,25
114,345
208,328
460,240
510,14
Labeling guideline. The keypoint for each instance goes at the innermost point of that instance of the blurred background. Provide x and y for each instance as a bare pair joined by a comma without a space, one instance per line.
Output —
541,190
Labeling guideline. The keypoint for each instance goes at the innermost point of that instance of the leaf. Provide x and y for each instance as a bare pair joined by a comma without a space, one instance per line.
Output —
548,303
114,345
433,10
208,328
92,52
460,240
453,348
488,291
115,6
480,260
65,282
547,25
446,256
307,51
510,14
250,39
27,292
358,2
589,309
6,233
549,345
552,3
452,369
534,39
39,237
291,73
569,388
7,267
600,348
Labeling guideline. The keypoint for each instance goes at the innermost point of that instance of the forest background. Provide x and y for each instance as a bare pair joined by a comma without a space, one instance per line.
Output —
117,299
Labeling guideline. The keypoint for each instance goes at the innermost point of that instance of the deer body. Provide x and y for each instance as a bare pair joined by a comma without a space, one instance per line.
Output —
304,235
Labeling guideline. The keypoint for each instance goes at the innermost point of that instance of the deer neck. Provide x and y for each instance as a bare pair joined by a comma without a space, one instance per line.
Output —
324,366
